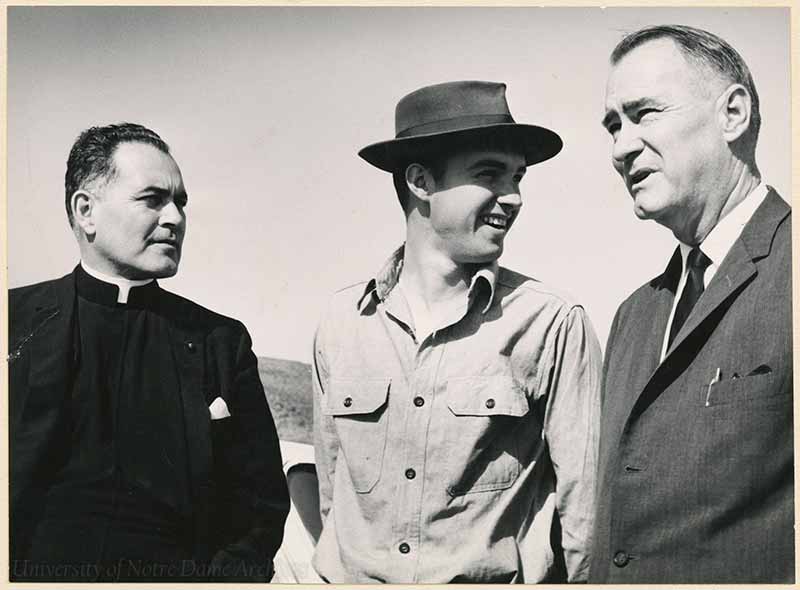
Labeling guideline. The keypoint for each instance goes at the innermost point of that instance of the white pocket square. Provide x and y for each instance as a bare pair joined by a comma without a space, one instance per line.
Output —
219,409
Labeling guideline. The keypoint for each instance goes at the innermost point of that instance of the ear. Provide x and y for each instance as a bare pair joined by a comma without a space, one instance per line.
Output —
735,105
82,205
420,182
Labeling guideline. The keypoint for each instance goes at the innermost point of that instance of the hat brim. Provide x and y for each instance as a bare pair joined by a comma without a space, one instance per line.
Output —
537,144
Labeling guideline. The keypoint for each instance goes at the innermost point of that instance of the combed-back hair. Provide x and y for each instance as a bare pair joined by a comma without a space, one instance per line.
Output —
704,49
91,156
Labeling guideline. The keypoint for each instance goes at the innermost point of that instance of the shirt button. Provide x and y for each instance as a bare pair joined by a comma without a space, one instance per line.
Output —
490,403
621,559
419,402
410,474
404,548
348,401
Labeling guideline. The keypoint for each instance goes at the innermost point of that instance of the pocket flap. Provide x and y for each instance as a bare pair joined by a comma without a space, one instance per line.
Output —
356,396
486,396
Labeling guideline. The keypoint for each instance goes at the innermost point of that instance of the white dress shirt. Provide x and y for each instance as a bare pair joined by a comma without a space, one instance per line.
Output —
717,245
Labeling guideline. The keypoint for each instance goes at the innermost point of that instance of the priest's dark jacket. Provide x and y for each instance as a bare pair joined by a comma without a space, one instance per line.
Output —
229,473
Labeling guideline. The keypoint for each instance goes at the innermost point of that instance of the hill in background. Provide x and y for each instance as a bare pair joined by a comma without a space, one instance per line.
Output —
288,387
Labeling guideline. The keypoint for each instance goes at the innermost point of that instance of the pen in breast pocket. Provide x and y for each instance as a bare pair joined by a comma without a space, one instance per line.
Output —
716,379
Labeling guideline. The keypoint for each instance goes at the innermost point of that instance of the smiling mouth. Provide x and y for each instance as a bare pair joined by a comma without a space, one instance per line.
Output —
496,221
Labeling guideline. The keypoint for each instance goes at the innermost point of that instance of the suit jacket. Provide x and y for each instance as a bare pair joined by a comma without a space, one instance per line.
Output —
696,480
239,495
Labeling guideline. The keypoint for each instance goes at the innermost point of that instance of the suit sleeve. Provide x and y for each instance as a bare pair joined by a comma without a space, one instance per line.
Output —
255,500
326,442
571,430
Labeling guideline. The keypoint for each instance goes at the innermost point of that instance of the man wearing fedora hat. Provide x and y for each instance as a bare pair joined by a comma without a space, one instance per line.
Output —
456,402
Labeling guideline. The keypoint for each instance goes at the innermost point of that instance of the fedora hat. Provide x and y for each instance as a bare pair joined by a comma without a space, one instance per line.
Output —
447,114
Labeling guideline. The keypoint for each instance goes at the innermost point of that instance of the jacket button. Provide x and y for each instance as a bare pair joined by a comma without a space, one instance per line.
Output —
621,559
404,548
419,402
190,346
410,474
490,403
348,401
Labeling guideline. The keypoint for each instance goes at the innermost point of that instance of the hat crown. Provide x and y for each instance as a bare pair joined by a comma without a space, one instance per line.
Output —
451,106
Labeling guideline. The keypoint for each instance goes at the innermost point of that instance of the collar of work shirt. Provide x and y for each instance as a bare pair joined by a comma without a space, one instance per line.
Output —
385,290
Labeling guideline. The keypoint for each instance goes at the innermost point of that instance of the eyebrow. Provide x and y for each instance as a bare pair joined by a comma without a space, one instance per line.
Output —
626,107
495,164
162,192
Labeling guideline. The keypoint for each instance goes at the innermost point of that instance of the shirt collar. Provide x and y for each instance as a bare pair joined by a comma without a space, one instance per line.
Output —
124,286
381,285
720,239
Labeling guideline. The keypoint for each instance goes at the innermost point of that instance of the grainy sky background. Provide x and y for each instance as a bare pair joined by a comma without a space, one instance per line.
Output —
265,108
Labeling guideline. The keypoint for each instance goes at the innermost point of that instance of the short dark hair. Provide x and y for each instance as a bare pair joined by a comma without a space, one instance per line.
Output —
434,164
91,156
705,49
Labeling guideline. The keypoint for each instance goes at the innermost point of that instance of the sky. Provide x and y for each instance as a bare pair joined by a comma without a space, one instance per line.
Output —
265,109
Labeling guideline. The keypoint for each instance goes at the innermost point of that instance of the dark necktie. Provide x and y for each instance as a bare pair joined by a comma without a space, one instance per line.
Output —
696,262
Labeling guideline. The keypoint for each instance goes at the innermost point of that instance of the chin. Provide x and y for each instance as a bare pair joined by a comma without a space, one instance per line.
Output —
161,271
483,258
644,210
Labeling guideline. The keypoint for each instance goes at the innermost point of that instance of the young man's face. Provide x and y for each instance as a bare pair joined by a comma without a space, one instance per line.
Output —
475,202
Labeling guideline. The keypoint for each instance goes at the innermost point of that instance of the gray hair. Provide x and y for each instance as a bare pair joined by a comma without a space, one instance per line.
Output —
702,48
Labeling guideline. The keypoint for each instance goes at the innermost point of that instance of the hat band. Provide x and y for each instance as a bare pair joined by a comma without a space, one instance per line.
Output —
454,124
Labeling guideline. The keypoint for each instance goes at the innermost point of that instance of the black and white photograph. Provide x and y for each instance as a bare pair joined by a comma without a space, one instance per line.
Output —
408,295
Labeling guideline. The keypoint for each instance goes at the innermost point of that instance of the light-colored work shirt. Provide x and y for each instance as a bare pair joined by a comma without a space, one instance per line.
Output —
468,456
716,246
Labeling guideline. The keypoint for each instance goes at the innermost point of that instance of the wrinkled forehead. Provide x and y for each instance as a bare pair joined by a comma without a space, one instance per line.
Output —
657,69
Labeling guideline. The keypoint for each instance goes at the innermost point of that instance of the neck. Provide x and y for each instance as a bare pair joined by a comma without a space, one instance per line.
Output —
744,183
432,275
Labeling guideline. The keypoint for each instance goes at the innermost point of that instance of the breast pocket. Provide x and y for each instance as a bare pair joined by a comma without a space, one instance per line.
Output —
483,429
359,410
753,391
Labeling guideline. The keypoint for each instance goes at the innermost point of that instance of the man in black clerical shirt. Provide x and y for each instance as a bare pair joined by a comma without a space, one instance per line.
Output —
142,446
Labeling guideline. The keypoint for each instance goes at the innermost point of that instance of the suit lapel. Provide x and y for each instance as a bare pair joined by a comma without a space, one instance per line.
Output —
660,305
735,271
737,268
644,348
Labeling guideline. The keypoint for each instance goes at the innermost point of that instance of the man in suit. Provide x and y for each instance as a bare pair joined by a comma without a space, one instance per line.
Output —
142,445
696,467
456,402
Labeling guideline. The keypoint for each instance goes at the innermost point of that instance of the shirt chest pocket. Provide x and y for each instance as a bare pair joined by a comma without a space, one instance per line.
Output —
360,411
485,421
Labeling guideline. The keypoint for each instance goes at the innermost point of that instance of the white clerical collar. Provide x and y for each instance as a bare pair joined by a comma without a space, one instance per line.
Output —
123,285
720,239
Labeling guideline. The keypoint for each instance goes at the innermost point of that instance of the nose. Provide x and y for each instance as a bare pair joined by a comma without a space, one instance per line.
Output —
172,215
510,197
627,144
